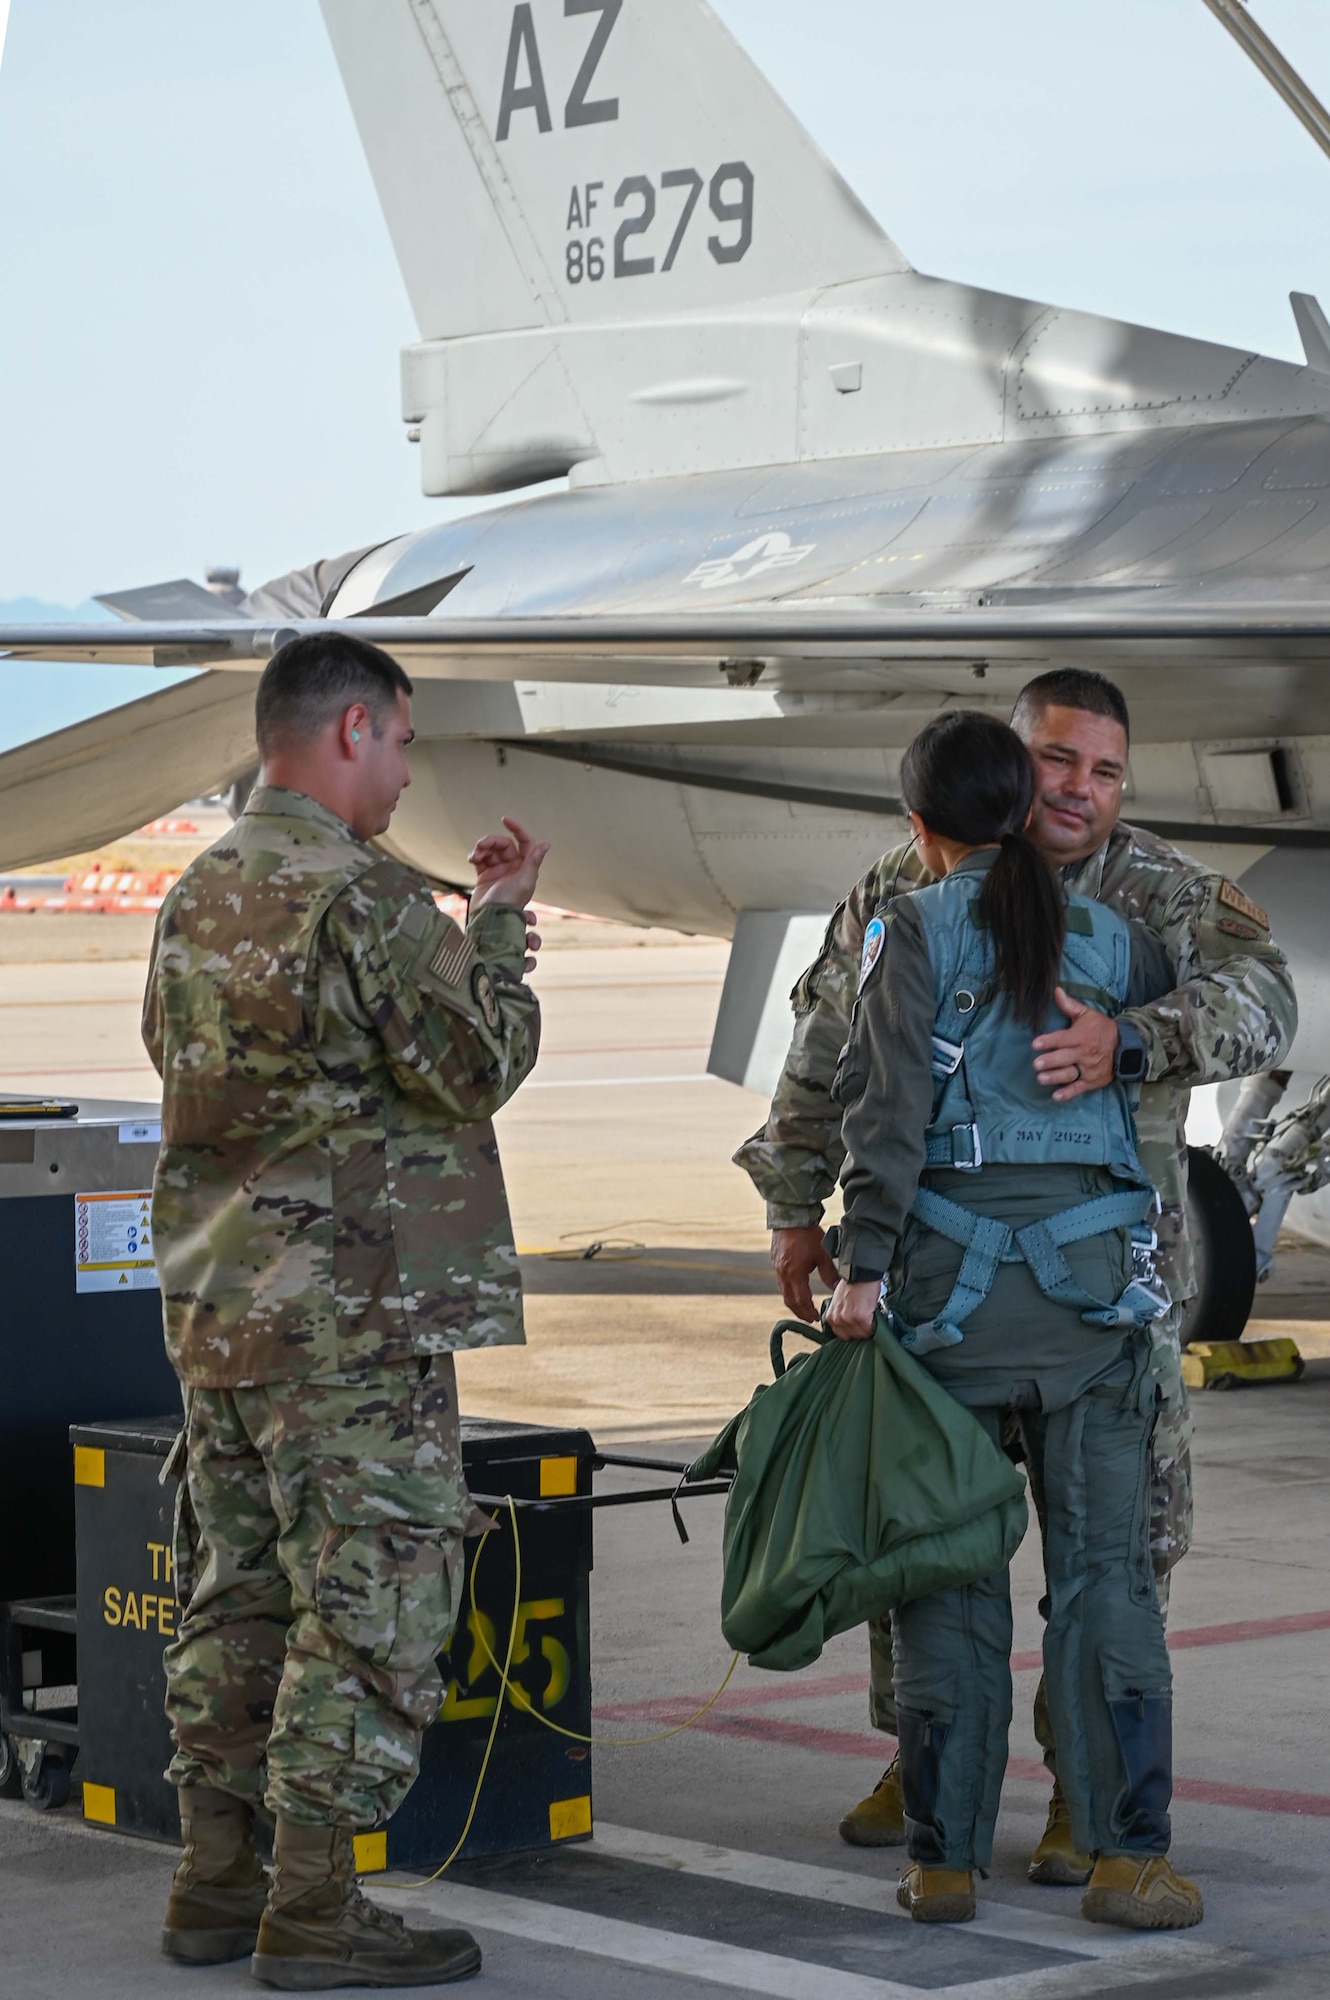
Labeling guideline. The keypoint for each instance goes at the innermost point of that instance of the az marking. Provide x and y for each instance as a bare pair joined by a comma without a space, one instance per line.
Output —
524,74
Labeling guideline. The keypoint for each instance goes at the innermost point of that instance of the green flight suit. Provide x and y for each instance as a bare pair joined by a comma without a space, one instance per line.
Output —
1080,1384
1233,1013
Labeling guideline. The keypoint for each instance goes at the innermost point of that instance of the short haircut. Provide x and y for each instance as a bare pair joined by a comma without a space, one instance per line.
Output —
310,681
1070,687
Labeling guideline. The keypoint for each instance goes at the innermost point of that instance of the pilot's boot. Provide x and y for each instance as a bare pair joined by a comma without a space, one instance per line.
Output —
937,1895
319,1931
220,1888
879,1820
1055,1862
1141,1892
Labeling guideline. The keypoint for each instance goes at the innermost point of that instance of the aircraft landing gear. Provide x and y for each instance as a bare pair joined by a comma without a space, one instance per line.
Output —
1224,1249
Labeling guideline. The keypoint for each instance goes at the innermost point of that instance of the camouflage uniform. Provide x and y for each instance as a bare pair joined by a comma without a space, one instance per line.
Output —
330,1224
1233,1014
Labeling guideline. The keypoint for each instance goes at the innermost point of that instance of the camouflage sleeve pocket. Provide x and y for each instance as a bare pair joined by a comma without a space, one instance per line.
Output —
449,970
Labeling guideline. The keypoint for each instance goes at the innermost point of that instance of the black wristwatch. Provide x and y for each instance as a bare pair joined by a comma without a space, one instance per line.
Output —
1129,1062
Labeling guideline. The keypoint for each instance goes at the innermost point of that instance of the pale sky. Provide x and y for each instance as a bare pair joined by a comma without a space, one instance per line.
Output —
202,315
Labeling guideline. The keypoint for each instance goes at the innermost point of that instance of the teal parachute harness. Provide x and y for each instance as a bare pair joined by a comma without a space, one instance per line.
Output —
988,1110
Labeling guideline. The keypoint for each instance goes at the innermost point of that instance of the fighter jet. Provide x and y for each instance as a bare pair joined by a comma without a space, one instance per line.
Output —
812,494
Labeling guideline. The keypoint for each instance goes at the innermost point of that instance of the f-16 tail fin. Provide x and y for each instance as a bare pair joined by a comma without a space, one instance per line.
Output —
551,161
630,261
608,223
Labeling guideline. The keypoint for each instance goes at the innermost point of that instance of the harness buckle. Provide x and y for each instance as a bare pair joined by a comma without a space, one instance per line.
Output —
1144,1243
947,1056
976,1159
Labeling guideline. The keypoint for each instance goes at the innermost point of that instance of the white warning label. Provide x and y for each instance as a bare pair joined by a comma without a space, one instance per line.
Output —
113,1243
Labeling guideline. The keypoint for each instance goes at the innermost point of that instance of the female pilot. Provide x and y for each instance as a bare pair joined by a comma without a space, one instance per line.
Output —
1014,1235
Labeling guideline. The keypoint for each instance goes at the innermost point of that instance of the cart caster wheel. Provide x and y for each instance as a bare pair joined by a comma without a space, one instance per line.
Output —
47,1787
11,1777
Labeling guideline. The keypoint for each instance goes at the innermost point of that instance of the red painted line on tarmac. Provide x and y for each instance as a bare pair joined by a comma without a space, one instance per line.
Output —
1245,1629
827,1687
847,1743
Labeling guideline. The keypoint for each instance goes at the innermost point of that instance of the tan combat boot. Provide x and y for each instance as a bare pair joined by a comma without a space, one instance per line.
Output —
878,1820
1055,1862
220,1887
937,1895
1141,1892
319,1931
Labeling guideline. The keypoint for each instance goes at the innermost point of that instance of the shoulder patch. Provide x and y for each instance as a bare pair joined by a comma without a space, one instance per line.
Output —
1230,894
1079,921
874,938
453,960
1232,927
482,992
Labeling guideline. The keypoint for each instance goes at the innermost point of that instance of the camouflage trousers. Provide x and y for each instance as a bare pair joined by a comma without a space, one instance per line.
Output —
318,1551
1171,1518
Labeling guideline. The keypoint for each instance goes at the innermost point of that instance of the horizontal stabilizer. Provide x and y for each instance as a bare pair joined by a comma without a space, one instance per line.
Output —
83,786
181,598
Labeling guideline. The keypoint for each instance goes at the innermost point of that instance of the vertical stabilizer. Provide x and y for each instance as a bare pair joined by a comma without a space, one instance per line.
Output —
546,162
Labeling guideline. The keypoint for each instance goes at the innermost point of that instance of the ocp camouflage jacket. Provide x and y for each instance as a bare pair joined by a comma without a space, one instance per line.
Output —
332,1048
1233,1013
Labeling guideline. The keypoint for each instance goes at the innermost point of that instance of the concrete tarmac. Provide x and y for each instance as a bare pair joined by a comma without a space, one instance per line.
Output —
715,1864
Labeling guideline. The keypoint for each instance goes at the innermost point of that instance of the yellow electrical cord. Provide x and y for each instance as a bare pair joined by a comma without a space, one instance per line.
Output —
498,1706
521,1700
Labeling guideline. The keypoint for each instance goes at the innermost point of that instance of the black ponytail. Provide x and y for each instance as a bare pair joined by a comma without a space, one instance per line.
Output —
971,779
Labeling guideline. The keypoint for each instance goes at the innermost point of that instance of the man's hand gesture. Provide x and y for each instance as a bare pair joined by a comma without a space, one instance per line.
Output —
507,866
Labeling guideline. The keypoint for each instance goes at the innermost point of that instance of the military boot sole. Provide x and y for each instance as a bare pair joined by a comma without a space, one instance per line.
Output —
944,1909
1134,1913
858,1833
209,1947
1060,1871
318,1975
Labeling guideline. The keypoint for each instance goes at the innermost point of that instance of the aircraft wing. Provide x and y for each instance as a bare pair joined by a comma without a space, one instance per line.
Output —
124,767
1243,665
802,650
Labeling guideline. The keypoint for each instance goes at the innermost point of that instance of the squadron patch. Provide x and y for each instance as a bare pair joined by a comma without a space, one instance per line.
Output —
482,992
1230,893
874,939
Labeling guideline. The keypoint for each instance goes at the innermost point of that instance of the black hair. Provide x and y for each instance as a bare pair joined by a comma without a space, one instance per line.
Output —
971,779
310,681
1071,687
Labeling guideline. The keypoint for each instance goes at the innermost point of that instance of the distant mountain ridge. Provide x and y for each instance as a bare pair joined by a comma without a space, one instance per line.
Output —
33,611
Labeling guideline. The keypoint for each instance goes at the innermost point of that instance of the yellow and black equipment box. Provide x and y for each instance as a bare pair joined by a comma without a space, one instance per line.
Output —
80,1337
537,1789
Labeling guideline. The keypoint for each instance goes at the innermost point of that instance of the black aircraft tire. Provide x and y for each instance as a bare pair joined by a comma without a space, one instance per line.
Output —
47,1788
1225,1253
11,1774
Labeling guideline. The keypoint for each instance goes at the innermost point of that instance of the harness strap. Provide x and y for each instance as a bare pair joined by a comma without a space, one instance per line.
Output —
1041,1242
988,1243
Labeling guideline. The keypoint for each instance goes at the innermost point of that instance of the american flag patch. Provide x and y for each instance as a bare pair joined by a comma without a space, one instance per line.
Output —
453,959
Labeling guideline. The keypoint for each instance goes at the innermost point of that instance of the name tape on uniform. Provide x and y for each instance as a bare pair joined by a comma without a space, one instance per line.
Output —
1230,893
